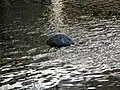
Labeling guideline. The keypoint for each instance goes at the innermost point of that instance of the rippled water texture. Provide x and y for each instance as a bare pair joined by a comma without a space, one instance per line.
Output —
27,63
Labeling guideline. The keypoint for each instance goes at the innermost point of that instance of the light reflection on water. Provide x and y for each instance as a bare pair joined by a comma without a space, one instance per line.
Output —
27,63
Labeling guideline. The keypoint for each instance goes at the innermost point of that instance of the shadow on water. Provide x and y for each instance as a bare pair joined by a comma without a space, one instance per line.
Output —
27,63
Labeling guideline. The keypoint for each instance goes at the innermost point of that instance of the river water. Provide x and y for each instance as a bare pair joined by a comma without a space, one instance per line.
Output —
27,63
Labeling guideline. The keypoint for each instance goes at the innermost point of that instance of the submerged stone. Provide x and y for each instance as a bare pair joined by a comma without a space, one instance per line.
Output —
59,40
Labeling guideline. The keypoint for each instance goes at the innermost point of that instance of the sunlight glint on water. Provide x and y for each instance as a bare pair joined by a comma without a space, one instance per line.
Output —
57,16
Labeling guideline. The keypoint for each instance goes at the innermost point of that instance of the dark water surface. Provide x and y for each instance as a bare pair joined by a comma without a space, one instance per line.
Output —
27,63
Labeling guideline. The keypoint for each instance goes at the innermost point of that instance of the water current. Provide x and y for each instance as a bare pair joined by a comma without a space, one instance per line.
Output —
27,63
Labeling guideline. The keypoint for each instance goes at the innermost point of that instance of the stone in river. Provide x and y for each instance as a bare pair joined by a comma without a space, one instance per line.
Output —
59,40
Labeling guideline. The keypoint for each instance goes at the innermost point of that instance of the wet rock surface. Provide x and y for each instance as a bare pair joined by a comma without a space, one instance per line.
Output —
59,40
